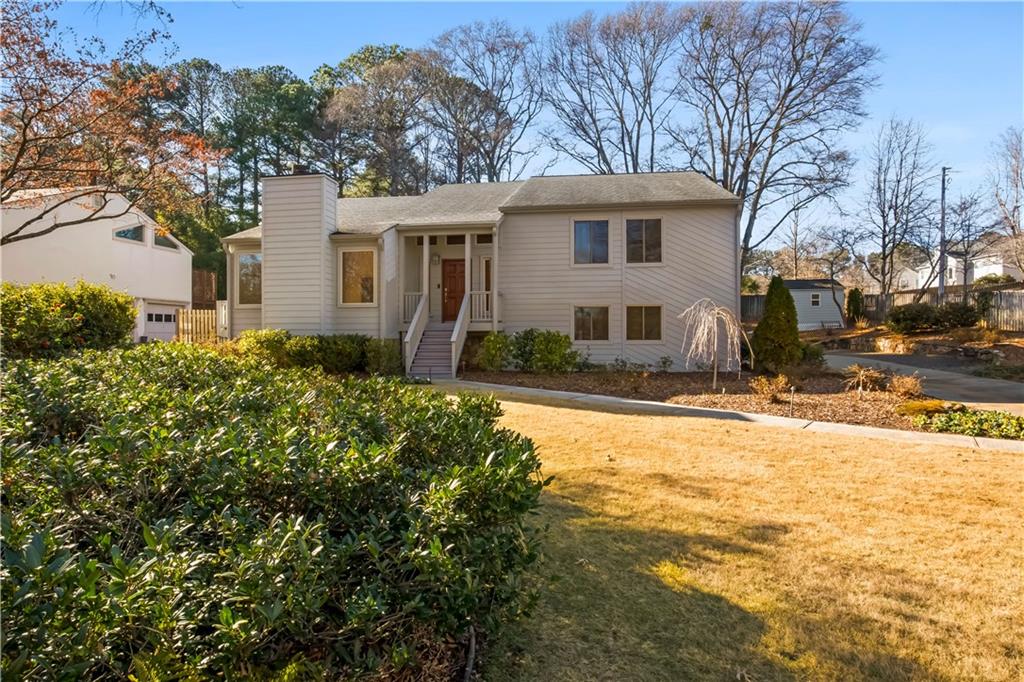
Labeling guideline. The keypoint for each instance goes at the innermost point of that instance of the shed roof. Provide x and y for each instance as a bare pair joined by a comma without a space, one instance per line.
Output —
799,284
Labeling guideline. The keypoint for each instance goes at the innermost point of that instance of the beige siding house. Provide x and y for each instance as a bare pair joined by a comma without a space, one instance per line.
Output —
609,260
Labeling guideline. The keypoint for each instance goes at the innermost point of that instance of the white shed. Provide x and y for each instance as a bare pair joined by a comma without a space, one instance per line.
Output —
815,305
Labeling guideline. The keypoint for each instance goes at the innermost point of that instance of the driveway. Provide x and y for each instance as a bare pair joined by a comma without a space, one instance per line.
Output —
979,392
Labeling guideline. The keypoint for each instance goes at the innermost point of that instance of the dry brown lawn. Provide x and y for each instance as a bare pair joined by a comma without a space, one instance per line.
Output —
689,549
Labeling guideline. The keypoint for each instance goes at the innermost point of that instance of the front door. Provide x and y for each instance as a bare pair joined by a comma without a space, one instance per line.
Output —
453,287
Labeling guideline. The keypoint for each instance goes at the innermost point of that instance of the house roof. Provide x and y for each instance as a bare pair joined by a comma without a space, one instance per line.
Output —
251,233
608,191
484,203
800,284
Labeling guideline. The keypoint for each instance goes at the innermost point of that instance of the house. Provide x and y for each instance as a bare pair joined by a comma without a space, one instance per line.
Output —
815,306
120,247
609,260
991,256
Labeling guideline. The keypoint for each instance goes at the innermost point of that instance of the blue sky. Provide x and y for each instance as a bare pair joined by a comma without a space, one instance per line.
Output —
957,68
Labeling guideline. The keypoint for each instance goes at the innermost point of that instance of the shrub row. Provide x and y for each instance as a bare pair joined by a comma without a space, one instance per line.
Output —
173,512
981,423
914,317
49,319
530,350
335,354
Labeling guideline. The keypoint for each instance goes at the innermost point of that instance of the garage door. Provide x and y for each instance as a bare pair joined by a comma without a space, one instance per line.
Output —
161,322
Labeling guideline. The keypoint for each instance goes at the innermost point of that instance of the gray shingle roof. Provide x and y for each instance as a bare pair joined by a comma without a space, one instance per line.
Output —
810,283
606,191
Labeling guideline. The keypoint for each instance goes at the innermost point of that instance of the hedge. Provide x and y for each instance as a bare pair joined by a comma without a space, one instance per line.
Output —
172,512
50,319
914,317
531,350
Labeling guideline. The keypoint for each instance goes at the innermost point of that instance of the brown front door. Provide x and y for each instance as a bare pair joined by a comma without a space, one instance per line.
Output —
453,287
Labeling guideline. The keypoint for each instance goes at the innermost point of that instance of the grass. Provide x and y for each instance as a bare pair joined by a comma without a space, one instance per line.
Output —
689,549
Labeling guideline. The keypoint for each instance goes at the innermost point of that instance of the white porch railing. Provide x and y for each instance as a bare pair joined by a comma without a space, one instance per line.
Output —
415,332
459,333
409,303
480,306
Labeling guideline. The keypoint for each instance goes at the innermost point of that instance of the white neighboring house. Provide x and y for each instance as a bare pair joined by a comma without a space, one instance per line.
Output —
124,252
610,260
994,259
815,307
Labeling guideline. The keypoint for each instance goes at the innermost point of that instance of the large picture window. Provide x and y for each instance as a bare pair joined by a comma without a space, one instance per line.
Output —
590,242
358,277
590,323
643,240
643,323
250,279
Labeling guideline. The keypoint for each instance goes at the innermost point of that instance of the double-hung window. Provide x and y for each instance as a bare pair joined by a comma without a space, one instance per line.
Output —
250,278
643,323
643,240
358,278
590,323
815,300
590,242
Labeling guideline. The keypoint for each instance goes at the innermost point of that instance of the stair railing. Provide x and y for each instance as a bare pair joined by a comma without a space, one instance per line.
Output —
415,332
459,332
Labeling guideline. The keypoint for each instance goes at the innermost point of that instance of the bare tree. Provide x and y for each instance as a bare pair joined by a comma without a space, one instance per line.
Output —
970,233
702,343
454,109
898,207
834,254
772,88
494,89
607,85
1006,180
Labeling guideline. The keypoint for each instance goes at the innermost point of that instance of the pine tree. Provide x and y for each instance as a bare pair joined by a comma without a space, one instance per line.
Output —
776,341
854,306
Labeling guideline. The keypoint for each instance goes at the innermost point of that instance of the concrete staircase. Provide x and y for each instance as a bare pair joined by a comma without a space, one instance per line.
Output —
433,358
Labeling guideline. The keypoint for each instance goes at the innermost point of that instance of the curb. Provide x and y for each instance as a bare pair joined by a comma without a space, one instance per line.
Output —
653,407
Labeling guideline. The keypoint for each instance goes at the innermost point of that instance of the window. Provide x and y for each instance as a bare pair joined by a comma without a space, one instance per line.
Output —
590,241
134,234
164,241
643,240
487,273
643,323
358,277
815,300
250,279
419,241
590,323
455,239
485,239
149,317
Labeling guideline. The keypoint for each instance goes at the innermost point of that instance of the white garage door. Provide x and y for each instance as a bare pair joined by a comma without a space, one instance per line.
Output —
161,322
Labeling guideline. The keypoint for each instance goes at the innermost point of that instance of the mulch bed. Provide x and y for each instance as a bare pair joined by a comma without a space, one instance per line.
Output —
819,397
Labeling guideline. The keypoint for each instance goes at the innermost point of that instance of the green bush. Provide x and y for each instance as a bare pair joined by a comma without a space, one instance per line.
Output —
954,315
175,513
911,317
553,353
384,356
335,354
812,354
265,344
522,348
776,341
991,279
341,353
854,305
49,319
495,352
981,423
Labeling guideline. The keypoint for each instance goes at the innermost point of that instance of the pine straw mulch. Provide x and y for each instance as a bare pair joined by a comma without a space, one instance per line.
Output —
820,396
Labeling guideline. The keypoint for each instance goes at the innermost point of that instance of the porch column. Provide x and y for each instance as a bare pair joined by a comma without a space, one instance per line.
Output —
401,277
425,271
495,250
469,266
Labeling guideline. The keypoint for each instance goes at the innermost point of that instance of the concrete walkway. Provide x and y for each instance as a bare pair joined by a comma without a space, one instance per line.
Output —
978,392
602,402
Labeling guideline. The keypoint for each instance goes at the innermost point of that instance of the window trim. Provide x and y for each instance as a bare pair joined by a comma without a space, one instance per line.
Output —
341,283
484,262
572,240
236,283
625,239
172,249
137,242
815,299
625,323
572,323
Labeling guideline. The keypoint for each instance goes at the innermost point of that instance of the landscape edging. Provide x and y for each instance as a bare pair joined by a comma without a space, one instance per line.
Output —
652,406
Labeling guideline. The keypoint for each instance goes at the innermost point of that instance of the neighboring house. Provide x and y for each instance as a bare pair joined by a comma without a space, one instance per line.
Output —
127,253
609,260
993,259
815,306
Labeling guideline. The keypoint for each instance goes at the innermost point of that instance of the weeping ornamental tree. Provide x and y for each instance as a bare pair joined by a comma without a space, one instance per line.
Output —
776,341
710,331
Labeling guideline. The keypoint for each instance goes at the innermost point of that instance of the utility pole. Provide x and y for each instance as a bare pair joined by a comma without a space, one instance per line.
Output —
942,237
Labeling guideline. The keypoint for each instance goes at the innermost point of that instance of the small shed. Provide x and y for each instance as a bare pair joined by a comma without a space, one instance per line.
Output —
815,306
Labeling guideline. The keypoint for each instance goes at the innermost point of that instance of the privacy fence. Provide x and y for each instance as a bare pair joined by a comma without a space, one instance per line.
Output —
197,326
1001,308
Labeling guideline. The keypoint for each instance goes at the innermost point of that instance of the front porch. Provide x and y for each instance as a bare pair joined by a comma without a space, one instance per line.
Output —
448,282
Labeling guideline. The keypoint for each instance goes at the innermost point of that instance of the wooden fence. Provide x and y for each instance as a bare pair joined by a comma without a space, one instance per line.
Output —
1006,311
197,326
751,307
